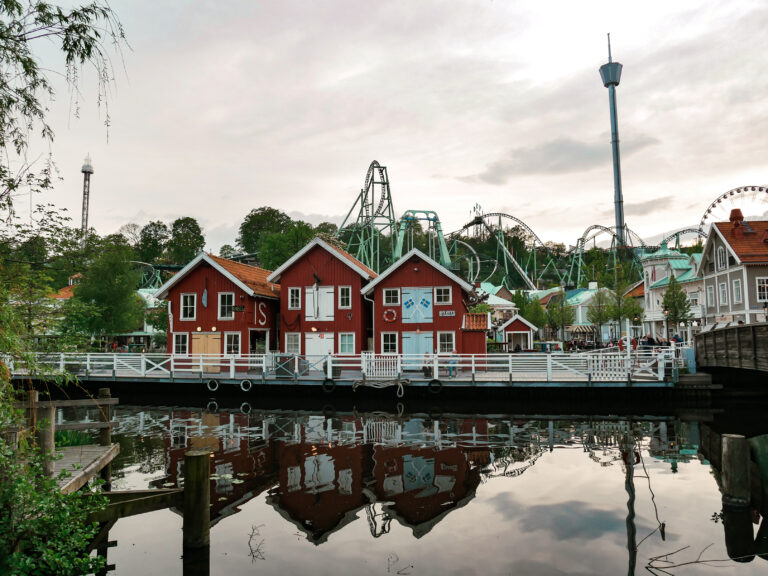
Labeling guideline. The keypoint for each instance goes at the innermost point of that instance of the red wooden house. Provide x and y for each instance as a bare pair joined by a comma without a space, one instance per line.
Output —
517,333
421,308
217,306
321,308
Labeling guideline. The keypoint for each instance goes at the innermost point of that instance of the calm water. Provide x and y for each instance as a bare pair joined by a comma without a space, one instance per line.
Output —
351,493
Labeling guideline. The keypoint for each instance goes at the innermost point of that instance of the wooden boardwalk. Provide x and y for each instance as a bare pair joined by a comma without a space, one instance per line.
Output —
83,463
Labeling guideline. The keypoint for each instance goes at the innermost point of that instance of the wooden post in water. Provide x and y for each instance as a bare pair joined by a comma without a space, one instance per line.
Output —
45,438
735,470
197,499
105,435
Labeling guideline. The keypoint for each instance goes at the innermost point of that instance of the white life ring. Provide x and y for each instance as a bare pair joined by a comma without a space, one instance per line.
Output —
212,385
245,385
390,315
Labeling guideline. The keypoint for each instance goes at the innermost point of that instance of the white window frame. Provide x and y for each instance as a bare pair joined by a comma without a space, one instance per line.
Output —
722,293
397,342
764,281
181,306
298,342
722,258
388,292
218,311
342,334
239,343
450,296
294,292
710,296
342,290
186,344
738,297
453,342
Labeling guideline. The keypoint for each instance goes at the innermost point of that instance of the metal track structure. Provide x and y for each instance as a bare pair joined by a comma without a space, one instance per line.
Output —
438,248
370,236
632,241
684,232
757,193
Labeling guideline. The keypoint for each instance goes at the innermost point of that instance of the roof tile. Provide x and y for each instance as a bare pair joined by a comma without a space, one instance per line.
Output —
750,247
252,276
475,322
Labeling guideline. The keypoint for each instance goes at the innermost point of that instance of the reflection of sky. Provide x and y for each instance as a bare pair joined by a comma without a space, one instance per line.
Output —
563,516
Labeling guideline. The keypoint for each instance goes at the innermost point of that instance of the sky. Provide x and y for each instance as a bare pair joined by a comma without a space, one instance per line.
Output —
220,107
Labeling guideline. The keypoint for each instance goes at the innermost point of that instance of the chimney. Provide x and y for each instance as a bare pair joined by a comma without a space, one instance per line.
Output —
736,217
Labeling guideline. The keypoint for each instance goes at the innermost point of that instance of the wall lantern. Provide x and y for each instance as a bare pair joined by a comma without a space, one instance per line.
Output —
313,329
198,328
666,311
213,329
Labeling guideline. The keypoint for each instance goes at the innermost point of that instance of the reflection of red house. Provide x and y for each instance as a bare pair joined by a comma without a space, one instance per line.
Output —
240,469
217,306
321,485
420,308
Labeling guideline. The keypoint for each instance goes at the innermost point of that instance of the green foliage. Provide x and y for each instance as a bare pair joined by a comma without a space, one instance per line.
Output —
227,251
258,225
186,240
152,240
676,301
559,314
598,310
109,286
279,247
328,228
481,308
63,438
535,314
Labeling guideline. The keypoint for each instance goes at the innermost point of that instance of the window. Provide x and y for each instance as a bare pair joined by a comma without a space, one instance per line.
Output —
442,295
391,296
737,299
232,343
293,343
710,296
345,297
723,293
722,262
693,298
762,289
294,298
226,305
318,303
446,342
347,343
389,342
188,306
181,344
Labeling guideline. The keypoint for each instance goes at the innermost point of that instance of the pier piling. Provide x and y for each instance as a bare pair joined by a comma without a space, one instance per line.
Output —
735,470
197,499
45,436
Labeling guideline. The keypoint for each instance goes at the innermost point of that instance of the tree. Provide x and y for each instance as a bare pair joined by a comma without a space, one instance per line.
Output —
227,251
559,314
110,283
279,247
676,301
535,314
132,233
597,311
257,225
186,240
326,228
152,240
481,308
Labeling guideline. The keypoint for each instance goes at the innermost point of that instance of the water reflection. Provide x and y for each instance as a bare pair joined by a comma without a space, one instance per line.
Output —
320,474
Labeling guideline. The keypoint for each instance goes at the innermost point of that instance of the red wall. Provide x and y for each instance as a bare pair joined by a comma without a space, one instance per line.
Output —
517,326
418,274
206,318
332,272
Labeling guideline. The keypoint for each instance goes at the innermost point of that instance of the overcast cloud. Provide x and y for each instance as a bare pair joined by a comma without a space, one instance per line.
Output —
225,107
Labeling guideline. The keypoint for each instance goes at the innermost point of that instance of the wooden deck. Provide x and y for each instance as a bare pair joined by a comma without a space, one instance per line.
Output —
83,462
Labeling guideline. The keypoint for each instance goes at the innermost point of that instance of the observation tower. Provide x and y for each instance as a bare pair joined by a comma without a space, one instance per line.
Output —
87,170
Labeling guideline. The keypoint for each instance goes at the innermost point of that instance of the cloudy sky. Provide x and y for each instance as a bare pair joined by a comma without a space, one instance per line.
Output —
222,107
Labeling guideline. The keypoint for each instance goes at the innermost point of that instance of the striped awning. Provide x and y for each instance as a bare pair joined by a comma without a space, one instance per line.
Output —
580,329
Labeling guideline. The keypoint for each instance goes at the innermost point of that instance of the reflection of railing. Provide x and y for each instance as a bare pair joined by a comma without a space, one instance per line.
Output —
594,366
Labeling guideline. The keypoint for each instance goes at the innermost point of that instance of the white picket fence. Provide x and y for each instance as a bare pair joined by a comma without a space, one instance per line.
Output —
593,366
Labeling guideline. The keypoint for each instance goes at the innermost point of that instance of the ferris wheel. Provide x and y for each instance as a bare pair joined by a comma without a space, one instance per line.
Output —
751,200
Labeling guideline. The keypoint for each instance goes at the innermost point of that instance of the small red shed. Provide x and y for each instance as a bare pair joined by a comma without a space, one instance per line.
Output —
518,333
420,308
217,306
321,309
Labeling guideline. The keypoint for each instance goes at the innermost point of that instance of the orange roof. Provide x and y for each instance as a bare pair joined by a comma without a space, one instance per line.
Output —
352,259
637,292
64,294
475,322
750,247
252,276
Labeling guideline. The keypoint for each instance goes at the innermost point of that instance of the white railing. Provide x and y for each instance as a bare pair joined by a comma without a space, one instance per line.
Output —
593,366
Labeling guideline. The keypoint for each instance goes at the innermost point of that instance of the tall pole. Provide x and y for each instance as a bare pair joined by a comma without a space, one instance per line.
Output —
611,75
87,170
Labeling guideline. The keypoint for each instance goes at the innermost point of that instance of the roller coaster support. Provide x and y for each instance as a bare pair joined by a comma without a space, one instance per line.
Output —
439,252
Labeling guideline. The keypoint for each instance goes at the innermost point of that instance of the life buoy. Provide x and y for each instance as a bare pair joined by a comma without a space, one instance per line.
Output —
435,386
634,343
212,385
213,406
390,315
621,344
245,408
245,385
328,385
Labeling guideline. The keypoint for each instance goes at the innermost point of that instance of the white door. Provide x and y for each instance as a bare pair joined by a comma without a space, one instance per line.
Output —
416,346
318,344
